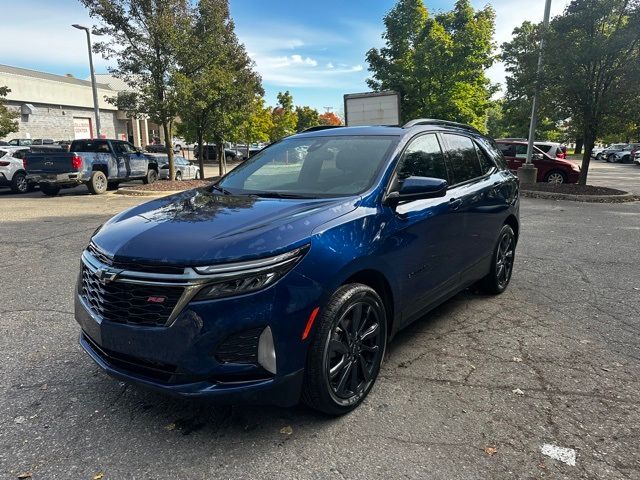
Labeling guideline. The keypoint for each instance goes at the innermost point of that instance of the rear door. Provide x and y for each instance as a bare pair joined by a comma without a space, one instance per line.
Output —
471,185
133,159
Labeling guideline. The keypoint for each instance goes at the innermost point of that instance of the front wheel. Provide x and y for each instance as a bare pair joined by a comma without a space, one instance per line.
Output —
19,183
611,158
346,351
556,177
152,176
504,253
178,176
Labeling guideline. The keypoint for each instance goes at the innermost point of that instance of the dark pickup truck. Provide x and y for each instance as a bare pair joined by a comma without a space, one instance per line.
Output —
99,164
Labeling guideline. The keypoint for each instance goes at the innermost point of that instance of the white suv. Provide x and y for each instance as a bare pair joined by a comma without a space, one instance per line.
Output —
12,171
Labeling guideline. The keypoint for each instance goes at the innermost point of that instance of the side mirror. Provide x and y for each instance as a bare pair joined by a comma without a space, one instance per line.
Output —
417,188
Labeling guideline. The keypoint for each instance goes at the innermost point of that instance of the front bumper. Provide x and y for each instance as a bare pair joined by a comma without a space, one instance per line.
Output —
183,357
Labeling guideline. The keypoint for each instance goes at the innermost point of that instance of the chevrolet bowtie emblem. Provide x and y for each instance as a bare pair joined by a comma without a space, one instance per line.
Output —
106,276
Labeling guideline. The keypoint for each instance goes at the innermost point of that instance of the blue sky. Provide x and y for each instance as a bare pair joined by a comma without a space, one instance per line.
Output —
316,49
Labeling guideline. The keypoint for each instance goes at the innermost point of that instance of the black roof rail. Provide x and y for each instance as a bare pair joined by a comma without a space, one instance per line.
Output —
435,121
320,127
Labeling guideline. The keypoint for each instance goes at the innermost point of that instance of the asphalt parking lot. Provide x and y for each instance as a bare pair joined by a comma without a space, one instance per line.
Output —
473,390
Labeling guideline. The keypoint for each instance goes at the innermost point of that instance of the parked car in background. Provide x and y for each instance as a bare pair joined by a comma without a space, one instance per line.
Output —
210,153
185,170
157,148
636,157
43,141
4,144
625,155
615,147
553,149
12,170
20,142
285,281
550,169
98,164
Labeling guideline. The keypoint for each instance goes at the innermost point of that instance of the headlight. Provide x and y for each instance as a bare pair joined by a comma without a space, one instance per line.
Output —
244,277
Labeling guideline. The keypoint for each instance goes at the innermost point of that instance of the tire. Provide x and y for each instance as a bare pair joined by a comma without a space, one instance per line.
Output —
152,176
49,190
178,176
340,372
19,183
555,176
626,159
611,158
497,280
229,158
197,175
98,183
599,157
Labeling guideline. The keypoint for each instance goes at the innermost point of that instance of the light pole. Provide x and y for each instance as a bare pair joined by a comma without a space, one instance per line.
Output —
528,173
96,110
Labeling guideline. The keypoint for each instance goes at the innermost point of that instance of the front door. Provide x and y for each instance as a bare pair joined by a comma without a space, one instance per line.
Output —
132,161
424,232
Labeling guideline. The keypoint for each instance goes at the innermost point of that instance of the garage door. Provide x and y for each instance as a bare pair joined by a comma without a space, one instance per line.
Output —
82,128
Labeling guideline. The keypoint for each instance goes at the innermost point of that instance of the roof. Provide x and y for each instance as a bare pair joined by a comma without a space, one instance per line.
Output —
362,130
114,82
25,72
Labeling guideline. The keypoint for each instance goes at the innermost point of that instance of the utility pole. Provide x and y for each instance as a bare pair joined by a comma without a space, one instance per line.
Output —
96,109
528,173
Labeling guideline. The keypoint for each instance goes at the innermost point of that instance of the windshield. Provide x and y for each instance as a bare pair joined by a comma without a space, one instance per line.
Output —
313,167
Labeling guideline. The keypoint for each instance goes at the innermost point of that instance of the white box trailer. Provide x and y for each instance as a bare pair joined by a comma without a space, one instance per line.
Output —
372,108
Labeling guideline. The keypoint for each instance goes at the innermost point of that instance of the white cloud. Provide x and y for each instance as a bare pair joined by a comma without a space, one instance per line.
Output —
298,60
330,65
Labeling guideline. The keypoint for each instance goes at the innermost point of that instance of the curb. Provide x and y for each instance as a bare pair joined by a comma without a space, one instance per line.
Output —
626,197
146,193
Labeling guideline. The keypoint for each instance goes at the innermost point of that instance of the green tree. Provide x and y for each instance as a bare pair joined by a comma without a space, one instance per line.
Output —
437,64
520,56
597,76
307,117
142,36
284,117
216,83
8,122
257,125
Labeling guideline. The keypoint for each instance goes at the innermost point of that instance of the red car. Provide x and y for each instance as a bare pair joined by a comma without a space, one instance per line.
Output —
550,170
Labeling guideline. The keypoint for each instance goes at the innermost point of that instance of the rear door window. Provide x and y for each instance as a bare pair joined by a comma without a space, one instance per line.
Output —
423,158
463,159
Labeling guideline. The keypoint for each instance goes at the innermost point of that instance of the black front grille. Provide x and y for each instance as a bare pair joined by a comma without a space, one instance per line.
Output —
123,302
102,257
240,347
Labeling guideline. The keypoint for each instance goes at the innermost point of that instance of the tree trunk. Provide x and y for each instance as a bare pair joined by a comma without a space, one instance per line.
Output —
169,148
248,147
200,153
579,144
589,141
220,152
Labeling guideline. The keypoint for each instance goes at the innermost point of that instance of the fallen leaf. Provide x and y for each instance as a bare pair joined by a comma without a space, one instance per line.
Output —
171,426
491,451
98,476
517,391
24,475
286,430
517,359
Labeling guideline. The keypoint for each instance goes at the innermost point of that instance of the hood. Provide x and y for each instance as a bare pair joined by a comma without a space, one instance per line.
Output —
200,227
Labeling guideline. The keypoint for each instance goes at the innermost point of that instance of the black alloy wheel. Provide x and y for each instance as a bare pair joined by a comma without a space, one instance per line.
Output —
347,350
498,278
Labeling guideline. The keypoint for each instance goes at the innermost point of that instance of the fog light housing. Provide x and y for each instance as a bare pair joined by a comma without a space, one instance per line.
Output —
267,351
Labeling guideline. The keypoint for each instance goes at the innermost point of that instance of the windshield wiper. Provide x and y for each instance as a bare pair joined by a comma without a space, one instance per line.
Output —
221,189
280,195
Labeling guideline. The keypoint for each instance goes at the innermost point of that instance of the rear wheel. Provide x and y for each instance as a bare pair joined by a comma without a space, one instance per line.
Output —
152,176
98,183
346,351
178,176
49,189
498,278
555,176
19,183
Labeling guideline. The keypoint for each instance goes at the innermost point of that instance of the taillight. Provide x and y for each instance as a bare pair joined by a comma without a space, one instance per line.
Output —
76,162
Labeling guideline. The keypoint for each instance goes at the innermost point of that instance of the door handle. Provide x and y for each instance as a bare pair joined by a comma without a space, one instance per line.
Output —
455,203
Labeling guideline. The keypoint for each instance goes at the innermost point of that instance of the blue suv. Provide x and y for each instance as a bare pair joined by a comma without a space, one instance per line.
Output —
286,279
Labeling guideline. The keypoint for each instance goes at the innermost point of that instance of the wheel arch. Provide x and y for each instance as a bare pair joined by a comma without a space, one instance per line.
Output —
512,221
100,167
379,282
